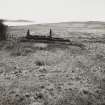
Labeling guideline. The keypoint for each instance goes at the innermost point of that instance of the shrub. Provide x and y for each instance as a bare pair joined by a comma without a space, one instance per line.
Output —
67,98
14,100
3,30
40,63
86,97
18,49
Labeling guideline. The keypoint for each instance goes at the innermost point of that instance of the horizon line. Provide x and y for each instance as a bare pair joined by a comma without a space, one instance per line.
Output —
39,23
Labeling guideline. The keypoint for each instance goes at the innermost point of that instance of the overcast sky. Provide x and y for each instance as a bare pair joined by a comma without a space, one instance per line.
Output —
42,11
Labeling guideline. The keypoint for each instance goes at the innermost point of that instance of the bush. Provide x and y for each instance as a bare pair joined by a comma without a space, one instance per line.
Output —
40,63
18,49
14,100
3,30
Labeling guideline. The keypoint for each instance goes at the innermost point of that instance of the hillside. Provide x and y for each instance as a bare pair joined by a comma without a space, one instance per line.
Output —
64,29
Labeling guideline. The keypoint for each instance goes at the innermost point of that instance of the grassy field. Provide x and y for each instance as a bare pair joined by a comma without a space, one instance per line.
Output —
54,74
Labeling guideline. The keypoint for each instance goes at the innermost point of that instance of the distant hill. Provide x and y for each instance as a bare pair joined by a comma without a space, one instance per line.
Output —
20,20
63,29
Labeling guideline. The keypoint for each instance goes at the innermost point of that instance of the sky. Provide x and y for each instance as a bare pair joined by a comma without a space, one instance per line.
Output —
43,11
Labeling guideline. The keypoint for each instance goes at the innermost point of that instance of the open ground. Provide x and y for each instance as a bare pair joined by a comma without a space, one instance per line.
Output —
34,73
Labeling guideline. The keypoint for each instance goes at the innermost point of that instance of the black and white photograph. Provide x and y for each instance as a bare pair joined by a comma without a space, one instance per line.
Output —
52,52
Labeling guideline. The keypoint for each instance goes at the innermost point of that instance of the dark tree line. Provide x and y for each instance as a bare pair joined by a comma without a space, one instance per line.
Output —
3,30
28,33
50,33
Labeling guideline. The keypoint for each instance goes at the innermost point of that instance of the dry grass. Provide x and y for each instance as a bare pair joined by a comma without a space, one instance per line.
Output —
52,75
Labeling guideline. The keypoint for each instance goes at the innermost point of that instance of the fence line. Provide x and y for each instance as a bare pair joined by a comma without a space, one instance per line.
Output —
12,37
